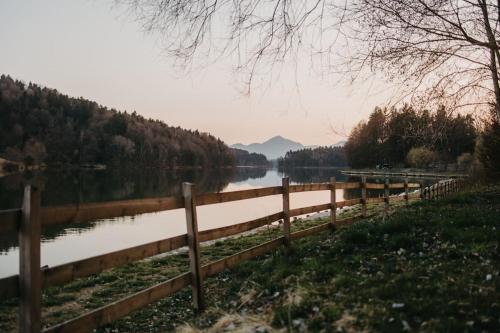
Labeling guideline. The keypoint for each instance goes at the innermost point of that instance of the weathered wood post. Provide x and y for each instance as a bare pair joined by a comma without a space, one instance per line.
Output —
285,182
189,194
386,196
363,196
333,202
30,276
406,190
422,191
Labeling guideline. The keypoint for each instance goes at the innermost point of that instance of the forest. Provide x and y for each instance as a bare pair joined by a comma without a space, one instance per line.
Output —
314,157
396,136
245,158
39,125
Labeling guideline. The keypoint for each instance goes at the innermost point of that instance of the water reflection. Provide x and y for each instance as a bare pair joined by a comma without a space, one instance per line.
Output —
63,243
64,187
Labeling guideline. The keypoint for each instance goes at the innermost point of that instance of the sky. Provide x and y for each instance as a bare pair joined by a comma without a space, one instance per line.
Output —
93,49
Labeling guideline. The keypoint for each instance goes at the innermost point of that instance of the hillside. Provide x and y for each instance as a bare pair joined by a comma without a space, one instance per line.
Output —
41,125
244,158
319,157
273,148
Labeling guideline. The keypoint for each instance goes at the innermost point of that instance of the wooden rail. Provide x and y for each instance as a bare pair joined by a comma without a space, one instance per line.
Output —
122,307
32,279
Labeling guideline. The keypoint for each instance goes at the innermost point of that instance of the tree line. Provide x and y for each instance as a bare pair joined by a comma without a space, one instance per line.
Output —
40,125
314,157
390,134
245,158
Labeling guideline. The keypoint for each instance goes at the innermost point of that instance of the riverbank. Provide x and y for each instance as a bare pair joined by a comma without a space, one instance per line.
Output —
432,266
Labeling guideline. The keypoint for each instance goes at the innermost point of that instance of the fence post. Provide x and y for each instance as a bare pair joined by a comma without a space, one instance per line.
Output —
30,277
422,191
406,190
333,202
363,196
286,209
386,196
189,194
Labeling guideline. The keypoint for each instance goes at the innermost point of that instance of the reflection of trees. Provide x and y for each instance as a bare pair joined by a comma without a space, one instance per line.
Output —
70,186
67,187
8,241
313,175
242,174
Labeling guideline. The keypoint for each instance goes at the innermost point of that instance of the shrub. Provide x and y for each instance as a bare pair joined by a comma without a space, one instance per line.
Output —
420,157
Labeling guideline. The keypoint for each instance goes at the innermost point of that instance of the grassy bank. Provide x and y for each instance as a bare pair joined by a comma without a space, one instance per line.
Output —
433,266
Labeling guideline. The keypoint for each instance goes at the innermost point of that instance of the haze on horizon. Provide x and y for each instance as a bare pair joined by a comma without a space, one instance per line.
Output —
93,49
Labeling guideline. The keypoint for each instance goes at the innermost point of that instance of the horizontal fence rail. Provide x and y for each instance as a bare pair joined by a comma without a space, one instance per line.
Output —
86,212
28,284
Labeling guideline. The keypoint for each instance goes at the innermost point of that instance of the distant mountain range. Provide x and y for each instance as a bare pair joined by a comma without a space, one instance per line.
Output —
276,147
341,143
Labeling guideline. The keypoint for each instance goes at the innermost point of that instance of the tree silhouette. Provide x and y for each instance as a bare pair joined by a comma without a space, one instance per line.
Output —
438,51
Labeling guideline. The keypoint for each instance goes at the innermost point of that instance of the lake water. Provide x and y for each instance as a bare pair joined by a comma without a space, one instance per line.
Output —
65,243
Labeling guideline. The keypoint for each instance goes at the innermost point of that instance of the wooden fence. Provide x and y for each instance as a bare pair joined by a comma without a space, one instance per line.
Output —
29,219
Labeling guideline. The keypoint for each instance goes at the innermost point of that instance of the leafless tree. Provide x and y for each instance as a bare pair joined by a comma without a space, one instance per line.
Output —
443,50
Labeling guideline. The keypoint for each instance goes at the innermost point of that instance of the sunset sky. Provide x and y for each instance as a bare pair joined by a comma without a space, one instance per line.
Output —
94,50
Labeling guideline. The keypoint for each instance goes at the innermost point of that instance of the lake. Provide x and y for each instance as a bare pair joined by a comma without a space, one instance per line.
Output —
65,243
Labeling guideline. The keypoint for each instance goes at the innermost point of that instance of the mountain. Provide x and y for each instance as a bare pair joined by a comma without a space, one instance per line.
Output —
341,143
273,148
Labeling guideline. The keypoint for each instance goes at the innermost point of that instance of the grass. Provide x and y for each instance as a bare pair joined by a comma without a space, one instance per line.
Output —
431,267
